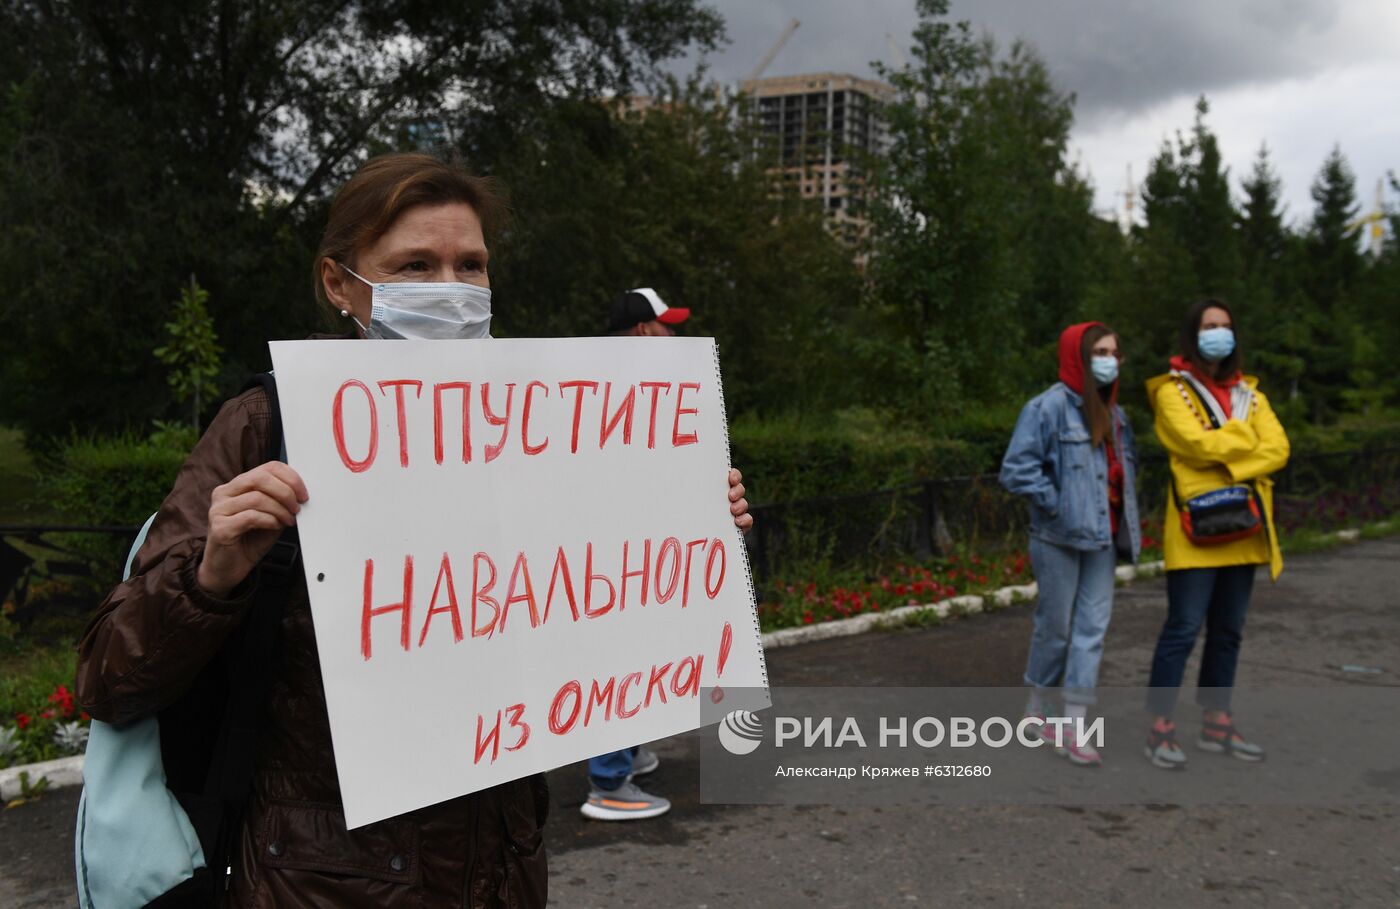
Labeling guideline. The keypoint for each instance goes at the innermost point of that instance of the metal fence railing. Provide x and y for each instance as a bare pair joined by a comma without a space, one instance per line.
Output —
917,519
54,553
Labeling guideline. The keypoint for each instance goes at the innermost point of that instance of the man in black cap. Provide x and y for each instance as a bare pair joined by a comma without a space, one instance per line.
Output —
641,313
612,796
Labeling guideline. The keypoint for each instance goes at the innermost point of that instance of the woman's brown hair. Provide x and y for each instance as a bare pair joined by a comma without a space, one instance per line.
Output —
1096,401
1190,342
387,186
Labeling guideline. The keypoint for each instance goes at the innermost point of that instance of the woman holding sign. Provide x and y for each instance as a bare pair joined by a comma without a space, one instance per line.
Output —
404,255
1224,442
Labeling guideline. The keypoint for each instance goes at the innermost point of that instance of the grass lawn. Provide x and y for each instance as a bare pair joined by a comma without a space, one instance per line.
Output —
29,673
29,669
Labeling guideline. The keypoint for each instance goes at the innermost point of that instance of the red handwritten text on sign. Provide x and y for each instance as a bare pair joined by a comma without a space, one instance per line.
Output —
602,588
502,415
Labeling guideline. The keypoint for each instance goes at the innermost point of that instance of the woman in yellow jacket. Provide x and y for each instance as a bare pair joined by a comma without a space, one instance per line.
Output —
1220,432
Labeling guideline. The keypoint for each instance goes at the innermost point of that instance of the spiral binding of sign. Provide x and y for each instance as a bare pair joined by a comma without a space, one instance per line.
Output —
743,549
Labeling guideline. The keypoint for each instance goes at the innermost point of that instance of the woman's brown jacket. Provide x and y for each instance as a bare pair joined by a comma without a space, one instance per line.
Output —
156,631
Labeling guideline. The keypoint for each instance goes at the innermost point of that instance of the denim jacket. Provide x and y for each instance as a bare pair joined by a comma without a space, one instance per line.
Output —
1052,462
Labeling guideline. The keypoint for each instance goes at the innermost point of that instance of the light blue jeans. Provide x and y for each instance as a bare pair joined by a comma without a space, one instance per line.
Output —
1072,609
609,771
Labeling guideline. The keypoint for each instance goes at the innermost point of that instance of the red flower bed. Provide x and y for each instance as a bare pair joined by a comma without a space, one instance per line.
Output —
1151,539
35,734
788,603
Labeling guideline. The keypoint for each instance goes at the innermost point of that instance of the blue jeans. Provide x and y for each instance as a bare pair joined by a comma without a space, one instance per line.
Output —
1072,610
1219,598
609,771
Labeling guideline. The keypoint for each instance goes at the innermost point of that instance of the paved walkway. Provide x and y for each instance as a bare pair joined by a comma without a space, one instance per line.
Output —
1329,610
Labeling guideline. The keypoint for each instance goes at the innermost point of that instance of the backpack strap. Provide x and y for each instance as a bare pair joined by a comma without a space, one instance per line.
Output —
137,544
255,655
276,442
1210,406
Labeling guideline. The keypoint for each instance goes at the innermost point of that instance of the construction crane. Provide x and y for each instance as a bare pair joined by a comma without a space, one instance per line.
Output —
1374,220
773,51
1129,194
900,60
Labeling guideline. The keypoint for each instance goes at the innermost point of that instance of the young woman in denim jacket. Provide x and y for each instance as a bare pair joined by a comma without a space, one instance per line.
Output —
1072,456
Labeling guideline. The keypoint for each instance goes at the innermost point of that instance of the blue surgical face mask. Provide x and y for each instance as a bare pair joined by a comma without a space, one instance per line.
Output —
427,310
1215,344
1105,369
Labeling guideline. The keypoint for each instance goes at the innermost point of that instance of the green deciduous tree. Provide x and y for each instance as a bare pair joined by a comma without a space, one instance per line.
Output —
145,141
140,143
191,350
979,225
1044,202
672,198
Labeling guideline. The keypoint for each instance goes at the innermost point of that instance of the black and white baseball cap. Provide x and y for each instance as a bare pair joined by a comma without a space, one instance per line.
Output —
634,307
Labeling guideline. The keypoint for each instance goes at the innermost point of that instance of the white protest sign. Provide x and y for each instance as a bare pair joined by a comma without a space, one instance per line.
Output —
519,553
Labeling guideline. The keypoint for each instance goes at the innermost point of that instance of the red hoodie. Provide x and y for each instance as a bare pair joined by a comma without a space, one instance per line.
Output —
1072,374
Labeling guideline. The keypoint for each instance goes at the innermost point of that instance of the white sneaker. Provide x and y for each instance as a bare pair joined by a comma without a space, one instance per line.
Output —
625,803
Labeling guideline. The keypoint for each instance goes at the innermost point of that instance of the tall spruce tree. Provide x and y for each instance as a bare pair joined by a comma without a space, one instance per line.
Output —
1332,268
1271,303
1211,217
1334,259
1375,381
1263,237
1163,279
1188,246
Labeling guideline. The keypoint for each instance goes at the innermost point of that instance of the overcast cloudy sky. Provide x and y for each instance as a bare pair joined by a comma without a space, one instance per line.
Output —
1299,75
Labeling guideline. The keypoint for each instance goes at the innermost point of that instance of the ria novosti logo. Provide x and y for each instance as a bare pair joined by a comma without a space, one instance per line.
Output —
740,732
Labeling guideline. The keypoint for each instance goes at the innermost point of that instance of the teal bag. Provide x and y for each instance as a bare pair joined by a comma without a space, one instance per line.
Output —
121,864
134,863
135,843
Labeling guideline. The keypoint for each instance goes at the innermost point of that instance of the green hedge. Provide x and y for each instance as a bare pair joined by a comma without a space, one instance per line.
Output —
791,457
796,457
112,480
1351,433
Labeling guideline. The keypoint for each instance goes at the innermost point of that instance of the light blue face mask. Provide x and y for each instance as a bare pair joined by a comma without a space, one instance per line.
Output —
427,310
1105,369
1215,344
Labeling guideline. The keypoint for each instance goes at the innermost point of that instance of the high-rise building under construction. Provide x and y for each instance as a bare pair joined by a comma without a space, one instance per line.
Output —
821,126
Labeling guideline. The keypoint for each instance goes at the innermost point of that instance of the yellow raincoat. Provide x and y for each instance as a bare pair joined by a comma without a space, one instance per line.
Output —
1203,459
